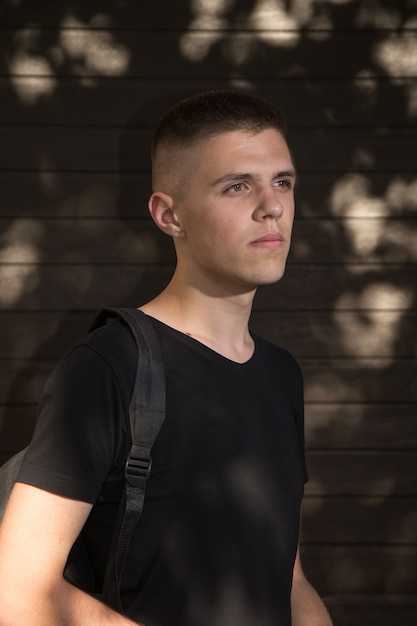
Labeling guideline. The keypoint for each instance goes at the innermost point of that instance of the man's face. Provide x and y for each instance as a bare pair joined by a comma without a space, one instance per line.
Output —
236,210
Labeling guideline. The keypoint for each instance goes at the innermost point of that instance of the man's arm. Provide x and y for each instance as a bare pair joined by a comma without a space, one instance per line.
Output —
36,536
306,606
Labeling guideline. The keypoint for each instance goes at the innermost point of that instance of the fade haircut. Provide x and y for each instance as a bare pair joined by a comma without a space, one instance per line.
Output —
205,115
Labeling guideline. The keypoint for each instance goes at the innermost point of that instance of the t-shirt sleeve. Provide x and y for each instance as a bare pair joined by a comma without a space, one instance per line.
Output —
82,422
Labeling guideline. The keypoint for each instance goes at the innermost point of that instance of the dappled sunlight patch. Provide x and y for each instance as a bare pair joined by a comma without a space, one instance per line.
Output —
364,238
96,50
31,74
195,48
377,313
372,239
207,16
366,83
329,386
351,197
19,253
272,22
401,195
401,236
377,16
105,241
21,231
320,417
32,77
379,296
98,199
90,48
17,280
397,55
276,25
368,227
335,425
369,332
92,200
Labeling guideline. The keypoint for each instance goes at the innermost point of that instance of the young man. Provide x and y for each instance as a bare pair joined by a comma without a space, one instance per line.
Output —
217,544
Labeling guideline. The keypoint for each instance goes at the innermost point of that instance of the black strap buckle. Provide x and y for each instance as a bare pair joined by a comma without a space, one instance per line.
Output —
137,470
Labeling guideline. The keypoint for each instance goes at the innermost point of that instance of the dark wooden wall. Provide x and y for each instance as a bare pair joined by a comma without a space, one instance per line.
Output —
82,83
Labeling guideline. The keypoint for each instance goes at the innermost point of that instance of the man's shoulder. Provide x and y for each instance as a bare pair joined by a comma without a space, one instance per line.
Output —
275,356
112,339
271,348
109,346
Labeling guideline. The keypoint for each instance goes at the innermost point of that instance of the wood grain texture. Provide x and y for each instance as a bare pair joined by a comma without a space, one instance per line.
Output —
362,101
111,149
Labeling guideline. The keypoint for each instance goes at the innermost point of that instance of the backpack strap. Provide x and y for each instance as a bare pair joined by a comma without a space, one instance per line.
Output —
146,415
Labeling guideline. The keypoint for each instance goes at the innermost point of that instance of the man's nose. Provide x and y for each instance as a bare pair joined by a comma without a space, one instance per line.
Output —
269,204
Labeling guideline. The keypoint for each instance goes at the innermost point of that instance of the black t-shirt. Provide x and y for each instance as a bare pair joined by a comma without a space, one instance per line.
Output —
216,542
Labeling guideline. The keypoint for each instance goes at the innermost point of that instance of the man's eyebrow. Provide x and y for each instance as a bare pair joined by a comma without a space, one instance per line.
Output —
232,176
287,174
236,176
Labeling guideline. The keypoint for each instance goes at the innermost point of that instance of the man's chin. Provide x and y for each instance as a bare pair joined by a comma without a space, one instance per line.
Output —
272,278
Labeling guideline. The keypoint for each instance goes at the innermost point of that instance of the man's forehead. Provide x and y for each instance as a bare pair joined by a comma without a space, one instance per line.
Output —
243,152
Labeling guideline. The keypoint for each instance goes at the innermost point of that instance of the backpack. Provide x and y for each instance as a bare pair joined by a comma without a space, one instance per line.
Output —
146,415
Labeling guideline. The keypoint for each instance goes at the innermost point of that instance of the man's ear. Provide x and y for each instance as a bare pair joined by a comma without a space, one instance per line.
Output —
161,208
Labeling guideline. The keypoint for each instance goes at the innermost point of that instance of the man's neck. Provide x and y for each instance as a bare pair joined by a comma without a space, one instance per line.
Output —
216,320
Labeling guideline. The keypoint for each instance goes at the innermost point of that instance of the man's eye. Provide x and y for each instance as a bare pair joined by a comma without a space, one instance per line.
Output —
283,183
236,187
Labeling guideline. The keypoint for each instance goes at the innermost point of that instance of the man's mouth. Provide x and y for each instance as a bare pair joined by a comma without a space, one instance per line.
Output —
272,241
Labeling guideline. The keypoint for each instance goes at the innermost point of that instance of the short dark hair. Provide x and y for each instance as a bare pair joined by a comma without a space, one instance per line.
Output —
201,116
214,112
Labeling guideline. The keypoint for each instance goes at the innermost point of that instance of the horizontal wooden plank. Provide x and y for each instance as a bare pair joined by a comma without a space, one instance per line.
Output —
95,241
340,288
64,287
311,334
357,333
271,52
127,149
373,610
163,15
361,426
360,569
362,473
92,241
337,288
41,334
360,380
22,382
51,193
355,240
390,520
362,101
